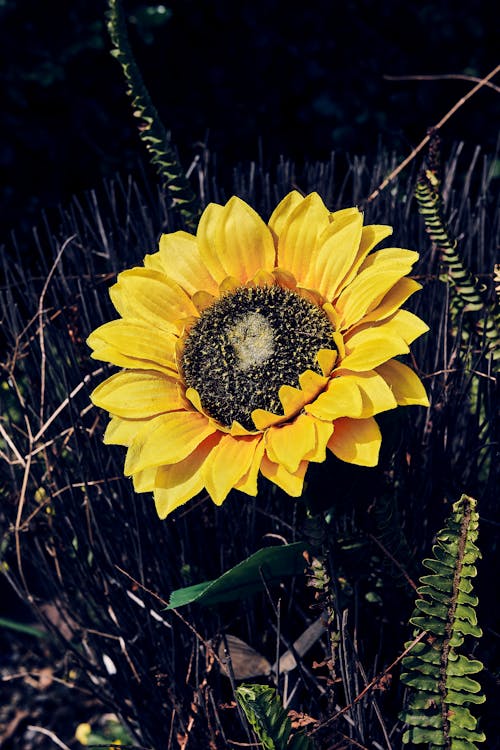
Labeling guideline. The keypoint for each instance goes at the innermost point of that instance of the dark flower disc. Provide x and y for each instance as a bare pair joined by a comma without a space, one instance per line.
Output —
247,345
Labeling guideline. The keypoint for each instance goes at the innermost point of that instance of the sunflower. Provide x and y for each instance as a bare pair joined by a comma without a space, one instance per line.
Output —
255,347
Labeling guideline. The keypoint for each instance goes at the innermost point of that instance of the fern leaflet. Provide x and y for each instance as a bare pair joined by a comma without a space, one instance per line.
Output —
438,713
154,136
468,295
269,720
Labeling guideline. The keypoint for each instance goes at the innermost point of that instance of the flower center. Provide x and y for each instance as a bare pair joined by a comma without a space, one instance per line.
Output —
248,344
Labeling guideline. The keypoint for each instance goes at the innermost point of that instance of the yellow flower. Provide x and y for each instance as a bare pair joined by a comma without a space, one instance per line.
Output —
82,733
253,348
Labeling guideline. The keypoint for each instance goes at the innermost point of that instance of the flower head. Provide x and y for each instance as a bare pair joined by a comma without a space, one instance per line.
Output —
255,347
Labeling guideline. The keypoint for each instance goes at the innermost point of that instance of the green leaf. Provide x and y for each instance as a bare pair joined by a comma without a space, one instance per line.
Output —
424,701
426,651
443,584
421,682
455,698
20,627
425,667
434,609
438,567
270,564
420,735
458,732
434,593
461,744
461,665
435,626
264,711
467,684
463,717
425,719
466,612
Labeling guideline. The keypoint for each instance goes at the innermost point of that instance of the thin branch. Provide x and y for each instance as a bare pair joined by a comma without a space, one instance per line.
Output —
66,401
175,611
394,561
55,739
40,321
427,138
376,680
444,77
6,437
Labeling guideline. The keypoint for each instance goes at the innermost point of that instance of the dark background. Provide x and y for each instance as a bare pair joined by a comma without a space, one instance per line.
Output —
303,78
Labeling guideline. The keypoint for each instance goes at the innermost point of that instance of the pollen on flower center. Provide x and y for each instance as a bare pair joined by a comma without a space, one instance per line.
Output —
248,344
252,338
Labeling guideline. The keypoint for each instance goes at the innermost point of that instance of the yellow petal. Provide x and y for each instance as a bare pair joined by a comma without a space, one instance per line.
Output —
283,211
284,278
311,384
370,347
145,295
248,483
136,394
375,393
181,261
342,398
194,397
262,278
323,433
395,297
205,236
356,441
263,419
405,384
166,439
289,444
122,431
391,258
343,216
228,285
227,464
134,345
339,343
292,399
291,483
337,250
144,481
237,429
154,262
372,284
332,315
244,243
178,483
305,439
326,359
299,236
406,324
371,235
202,300
356,395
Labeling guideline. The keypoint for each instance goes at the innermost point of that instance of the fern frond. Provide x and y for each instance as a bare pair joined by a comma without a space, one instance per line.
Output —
151,130
429,204
438,713
269,720
468,294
